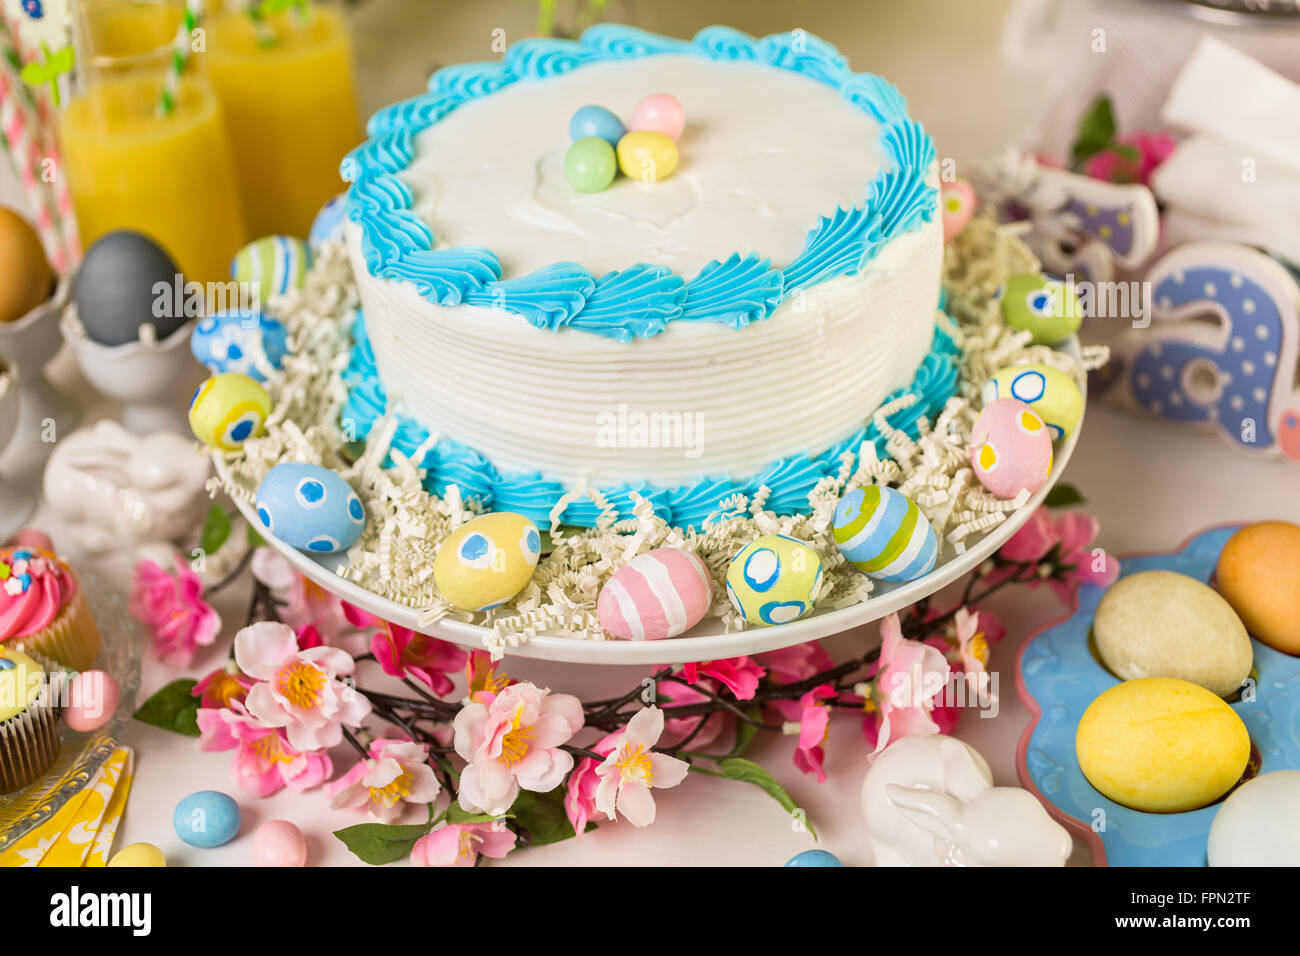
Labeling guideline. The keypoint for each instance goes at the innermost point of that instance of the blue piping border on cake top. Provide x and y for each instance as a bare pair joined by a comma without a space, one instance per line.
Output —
640,300
789,480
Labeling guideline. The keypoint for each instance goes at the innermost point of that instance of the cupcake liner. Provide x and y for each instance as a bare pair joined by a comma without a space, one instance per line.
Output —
72,639
29,742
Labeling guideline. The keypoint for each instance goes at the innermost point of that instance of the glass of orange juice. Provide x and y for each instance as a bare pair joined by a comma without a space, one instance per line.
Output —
168,176
288,94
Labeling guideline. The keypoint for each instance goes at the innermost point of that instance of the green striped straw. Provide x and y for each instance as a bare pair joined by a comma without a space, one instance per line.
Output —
180,55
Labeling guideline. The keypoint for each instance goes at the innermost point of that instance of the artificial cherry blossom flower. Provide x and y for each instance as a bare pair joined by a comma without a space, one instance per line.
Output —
402,652
798,662
265,762
396,773
222,687
303,602
810,718
1075,562
173,609
482,679
909,676
739,674
580,790
673,694
632,769
461,844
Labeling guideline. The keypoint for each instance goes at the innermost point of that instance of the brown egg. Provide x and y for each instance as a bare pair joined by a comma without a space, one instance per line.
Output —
25,276
1259,574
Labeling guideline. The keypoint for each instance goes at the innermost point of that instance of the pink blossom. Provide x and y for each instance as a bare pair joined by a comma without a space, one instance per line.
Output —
461,844
798,662
908,678
1113,166
222,687
303,602
173,609
514,741
676,729
396,773
402,652
1074,564
810,716
632,769
481,678
298,690
265,762
580,791
740,675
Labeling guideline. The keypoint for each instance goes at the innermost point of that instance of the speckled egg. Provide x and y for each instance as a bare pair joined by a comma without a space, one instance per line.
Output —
1051,392
279,843
228,409
206,819
239,342
1257,824
310,508
272,265
659,594
1047,308
1011,448
329,222
487,561
1161,745
814,858
138,855
1259,574
774,580
883,534
1164,624
93,697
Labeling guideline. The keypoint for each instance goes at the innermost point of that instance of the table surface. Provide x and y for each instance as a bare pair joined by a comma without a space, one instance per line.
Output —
1151,487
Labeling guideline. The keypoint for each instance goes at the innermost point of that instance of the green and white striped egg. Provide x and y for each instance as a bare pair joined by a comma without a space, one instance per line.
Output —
272,265
883,534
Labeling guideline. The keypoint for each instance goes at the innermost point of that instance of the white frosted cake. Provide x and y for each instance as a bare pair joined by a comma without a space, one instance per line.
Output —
731,327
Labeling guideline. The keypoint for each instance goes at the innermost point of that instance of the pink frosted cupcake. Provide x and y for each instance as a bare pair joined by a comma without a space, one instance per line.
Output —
43,609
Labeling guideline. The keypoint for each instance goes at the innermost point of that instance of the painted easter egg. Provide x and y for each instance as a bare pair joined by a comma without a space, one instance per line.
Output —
956,205
1011,448
1259,575
206,819
93,697
774,580
814,858
662,593
115,289
660,113
138,855
1047,308
487,561
329,222
1161,745
239,342
1255,826
590,164
647,156
1051,392
279,843
310,508
26,279
228,409
883,534
271,265
596,121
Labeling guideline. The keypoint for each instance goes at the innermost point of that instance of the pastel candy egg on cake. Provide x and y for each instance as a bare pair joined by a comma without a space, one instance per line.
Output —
590,164
1011,448
774,580
240,342
660,113
882,533
592,120
647,156
228,409
487,561
1047,308
310,508
1051,392
272,265
659,594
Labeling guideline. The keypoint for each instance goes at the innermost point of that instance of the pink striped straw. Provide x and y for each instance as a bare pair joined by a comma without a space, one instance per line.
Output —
20,130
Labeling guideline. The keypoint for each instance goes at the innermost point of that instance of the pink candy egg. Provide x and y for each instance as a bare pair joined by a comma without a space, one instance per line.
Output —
661,113
279,843
93,697
957,203
1011,448
32,538
659,594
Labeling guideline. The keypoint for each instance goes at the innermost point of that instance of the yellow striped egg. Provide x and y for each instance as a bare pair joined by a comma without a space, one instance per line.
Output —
774,580
882,533
487,561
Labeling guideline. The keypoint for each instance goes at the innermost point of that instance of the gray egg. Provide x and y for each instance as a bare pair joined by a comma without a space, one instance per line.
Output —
117,289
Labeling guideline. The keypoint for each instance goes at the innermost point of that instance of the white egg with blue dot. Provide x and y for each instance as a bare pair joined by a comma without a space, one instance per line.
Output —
310,508
247,342
329,222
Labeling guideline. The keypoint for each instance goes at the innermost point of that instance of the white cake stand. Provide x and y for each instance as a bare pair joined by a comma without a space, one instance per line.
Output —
707,641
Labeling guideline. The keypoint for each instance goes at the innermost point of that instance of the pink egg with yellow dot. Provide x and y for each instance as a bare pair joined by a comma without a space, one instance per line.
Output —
660,112
1011,448
957,204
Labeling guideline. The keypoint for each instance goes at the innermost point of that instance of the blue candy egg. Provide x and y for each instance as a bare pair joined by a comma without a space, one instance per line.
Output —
207,818
239,342
310,508
329,222
596,121
814,858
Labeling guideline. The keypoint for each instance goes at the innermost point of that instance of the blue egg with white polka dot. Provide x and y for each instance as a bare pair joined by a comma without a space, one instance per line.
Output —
310,508
329,222
248,342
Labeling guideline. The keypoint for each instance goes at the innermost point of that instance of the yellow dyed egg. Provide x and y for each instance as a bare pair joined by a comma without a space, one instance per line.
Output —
1048,390
228,409
1161,745
774,580
138,854
487,561
647,156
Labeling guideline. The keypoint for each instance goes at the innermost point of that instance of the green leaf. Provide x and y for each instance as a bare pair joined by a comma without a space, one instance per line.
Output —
1063,495
380,843
35,74
539,818
745,732
62,60
1096,130
457,815
746,771
216,529
254,537
173,708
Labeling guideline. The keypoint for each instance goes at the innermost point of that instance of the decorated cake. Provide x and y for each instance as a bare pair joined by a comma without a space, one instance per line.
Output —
732,323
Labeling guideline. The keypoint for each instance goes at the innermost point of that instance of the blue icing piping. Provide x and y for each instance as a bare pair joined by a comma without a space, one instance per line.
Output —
397,244
789,480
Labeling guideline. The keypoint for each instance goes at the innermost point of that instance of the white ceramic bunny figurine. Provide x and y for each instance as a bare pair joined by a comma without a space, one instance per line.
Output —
930,801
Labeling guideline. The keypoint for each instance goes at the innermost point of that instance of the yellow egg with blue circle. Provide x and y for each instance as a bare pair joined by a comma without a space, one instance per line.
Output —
774,580
228,409
647,156
1051,392
487,561
884,534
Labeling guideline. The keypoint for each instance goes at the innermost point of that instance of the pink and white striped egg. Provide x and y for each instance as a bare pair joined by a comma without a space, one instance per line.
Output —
1010,448
659,594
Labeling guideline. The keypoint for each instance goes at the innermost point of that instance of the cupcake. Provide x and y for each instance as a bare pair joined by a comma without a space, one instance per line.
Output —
29,733
43,609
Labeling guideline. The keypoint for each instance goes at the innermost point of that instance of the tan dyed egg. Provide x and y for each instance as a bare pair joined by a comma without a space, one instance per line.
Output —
1259,574
487,561
25,276
1163,624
